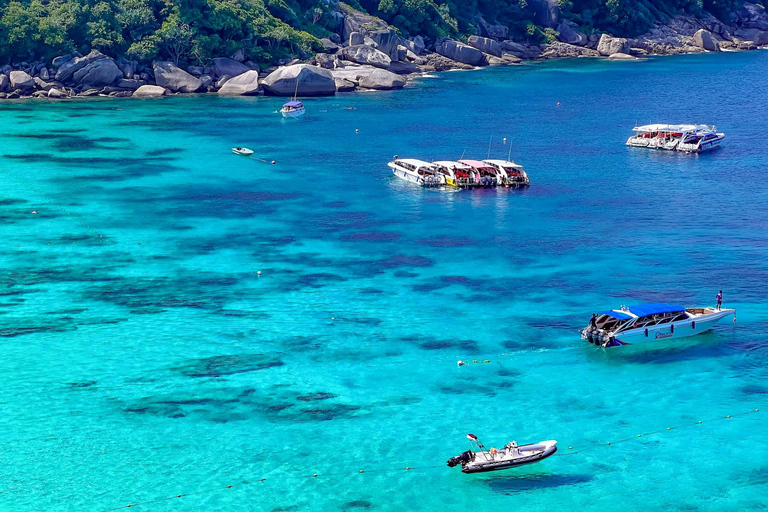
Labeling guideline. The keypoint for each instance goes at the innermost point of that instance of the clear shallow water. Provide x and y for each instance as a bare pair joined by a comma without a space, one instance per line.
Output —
154,361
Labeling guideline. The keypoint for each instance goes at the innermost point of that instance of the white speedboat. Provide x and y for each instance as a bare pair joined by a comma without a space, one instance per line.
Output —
512,173
293,108
457,174
480,460
691,138
488,176
416,171
242,151
651,322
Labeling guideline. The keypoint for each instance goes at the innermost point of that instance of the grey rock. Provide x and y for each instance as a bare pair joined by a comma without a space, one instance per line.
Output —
329,46
312,80
5,84
370,42
344,85
403,68
495,31
21,80
120,94
567,33
57,93
703,39
459,52
386,41
511,58
127,67
89,92
130,83
485,45
223,66
207,81
521,50
97,73
356,21
44,74
402,54
755,35
437,62
42,84
363,54
245,84
221,81
335,38
95,69
622,56
63,59
418,45
546,12
325,60
558,50
40,94
609,45
356,38
174,78
197,71
381,80
150,91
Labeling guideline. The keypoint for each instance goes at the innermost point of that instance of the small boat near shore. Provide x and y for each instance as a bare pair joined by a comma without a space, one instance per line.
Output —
645,323
242,151
481,460
293,109
690,138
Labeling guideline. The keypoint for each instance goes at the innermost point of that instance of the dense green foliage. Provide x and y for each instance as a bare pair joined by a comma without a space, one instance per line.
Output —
196,30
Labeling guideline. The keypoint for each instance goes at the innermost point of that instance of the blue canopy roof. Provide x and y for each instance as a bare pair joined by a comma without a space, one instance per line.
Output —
654,308
616,314
293,104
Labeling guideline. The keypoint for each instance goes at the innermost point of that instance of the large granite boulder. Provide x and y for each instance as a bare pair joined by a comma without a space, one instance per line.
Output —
5,83
21,80
312,80
494,31
356,38
129,83
329,46
703,39
381,80
520,50
622,56
91,71
229,67
404,68
485,45
386,41
369,77
175,79
364,54
567,33
356,21
244,84
757,36
547,12
459,52
59,61
608,45
56,93
149,91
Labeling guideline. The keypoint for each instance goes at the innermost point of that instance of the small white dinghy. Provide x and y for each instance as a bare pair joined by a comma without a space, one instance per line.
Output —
512,455
242,151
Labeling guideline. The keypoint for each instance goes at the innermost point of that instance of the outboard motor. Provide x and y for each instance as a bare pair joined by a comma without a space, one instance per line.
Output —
460,459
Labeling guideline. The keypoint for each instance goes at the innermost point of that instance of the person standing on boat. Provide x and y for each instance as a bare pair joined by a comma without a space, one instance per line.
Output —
719,299
593,320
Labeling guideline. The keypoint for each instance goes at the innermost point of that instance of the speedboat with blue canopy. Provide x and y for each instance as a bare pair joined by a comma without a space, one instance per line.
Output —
653,321
293,108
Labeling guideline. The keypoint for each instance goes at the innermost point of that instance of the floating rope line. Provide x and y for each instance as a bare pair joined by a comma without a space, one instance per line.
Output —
420,468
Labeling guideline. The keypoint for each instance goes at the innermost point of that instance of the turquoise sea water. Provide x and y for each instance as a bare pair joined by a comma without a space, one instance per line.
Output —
143,356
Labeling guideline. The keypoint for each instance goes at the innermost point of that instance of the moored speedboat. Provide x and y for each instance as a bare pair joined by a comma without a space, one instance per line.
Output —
416,171
650,322
513,174
293,108
481,460
457,174
242,151
489,176
691,138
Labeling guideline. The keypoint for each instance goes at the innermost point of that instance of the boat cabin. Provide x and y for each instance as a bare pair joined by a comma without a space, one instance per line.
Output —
456,173
293,105
641,316
489,175
513,172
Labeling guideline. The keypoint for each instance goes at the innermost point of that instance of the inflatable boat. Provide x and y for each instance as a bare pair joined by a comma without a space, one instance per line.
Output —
512,455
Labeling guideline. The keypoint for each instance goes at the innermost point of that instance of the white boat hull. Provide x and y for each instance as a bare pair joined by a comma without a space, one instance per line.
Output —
293,113
673,330
404,174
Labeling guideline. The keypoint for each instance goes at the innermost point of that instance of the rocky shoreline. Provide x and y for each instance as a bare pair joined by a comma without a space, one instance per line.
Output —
367,54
